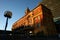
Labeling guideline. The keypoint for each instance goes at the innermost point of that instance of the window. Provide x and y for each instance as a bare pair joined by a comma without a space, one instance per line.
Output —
39,17
37,21
38,25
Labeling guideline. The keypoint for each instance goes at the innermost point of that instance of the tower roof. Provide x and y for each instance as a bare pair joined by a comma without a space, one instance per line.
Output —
27,10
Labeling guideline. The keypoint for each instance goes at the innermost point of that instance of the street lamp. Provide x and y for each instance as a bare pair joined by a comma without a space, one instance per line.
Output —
7,14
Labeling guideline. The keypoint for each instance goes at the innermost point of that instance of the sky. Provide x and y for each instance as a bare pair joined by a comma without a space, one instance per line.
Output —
17,7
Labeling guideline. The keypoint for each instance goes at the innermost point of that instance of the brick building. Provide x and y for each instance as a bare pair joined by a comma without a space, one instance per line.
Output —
39,19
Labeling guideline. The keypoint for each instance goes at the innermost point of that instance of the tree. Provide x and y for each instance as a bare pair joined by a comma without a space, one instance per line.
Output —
7,14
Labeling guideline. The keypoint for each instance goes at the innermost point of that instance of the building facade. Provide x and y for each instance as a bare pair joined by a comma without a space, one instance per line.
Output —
54,6
39,19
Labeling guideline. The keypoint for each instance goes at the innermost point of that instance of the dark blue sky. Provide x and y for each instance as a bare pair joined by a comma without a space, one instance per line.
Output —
17,7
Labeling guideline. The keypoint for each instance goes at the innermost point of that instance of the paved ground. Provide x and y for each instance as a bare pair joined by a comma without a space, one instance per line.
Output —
26,37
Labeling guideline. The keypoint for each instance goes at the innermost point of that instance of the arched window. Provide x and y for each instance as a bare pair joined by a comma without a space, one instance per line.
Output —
37,21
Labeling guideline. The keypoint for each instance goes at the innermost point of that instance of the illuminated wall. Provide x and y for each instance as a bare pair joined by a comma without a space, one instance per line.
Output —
40,18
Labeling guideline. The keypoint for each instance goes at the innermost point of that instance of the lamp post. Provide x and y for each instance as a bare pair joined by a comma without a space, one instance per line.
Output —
7,14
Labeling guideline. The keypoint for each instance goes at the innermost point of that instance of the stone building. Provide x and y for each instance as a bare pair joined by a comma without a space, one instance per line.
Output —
39,19
54,6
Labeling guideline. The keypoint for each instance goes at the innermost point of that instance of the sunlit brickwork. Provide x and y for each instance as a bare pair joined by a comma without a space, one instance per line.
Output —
40,18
